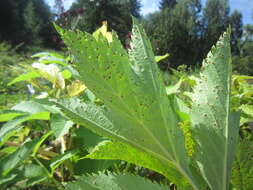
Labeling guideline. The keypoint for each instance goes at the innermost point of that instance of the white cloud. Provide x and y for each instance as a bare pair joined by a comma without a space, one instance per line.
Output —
68,3
50,2
149,6
147,10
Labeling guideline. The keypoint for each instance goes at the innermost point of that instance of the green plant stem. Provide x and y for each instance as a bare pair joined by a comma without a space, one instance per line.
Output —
58,185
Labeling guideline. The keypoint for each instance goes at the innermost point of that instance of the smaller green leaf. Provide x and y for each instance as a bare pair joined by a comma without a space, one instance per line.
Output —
54,60
29,107
34,174
8,150
7,178
12,125
4,138
242,171
60,125
66,74
40,116
11,161
49,57
42,139
244,120
174,89
241,77
43,54
247,109
161,57
9,116
58,160
24,77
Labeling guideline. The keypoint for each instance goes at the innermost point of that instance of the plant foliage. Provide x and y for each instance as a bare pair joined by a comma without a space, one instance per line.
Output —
139,115
113,182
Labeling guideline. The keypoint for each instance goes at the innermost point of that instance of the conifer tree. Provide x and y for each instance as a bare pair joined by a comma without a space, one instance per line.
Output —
32,24
167,4
215,21
117,13
235,21
25,21
176,31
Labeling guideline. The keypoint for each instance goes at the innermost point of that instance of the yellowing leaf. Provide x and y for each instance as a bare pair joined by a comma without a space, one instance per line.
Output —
103,30
161,57
75,88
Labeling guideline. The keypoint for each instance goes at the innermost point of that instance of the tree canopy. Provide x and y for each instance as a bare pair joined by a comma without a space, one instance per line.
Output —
117,13
186,30
25,21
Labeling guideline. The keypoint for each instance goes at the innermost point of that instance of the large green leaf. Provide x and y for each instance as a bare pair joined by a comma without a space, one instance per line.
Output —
113,182
139,112
120,151
215,127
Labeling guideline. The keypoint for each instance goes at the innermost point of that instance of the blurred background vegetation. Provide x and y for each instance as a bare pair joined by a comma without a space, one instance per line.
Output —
186,29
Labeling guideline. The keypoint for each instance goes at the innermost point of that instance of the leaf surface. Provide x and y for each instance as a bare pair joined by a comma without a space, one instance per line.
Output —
120,151
60,125
25,77
11,161
113,182
242,175
138,111
215,127
13,125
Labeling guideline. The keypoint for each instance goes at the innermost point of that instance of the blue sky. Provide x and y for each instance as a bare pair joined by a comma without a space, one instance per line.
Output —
244,6
149,6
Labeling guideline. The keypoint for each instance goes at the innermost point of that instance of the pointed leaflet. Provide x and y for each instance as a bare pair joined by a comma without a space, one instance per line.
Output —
215,127
132,90
34,174
24,77
31,111
120,151
113,182
13,125
9,115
